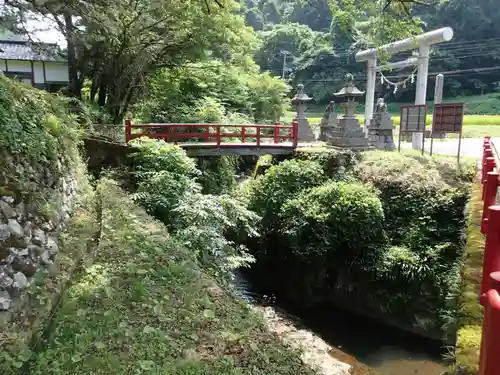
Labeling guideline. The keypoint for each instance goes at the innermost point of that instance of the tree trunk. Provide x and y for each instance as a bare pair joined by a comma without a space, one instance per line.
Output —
103,90
74,83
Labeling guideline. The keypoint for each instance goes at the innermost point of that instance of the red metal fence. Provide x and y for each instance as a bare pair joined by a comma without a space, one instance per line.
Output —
490,285
217,134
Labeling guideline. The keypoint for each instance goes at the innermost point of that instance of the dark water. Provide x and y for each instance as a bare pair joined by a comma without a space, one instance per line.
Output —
385,350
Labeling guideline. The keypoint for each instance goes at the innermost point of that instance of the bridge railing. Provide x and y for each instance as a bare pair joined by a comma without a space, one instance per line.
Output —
218,134
490,283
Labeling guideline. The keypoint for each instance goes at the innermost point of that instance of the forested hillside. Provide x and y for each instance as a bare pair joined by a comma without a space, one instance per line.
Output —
305,43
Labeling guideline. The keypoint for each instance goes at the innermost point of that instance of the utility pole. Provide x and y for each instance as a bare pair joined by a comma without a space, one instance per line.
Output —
284,63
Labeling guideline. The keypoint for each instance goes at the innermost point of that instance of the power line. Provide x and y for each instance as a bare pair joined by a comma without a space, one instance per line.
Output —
432,75
431,59
445,47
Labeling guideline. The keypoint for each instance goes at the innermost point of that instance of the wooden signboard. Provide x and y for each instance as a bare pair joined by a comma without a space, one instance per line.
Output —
448,118
412,120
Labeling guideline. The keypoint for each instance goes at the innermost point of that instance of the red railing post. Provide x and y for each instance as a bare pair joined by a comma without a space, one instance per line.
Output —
174,134
128,130
486,142
295,133
490,193
276,131
488,153
257,136
206,137
217,135
243,134
489,363
489,167
491,250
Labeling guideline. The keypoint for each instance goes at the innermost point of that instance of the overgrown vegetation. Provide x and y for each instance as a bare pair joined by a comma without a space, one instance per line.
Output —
215,93
387,236
23,335
168,185
36,130
144,306
470,316
218,175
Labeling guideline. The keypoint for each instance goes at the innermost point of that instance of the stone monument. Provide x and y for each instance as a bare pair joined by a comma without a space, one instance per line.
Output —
300,100
348,133
328,122
380,128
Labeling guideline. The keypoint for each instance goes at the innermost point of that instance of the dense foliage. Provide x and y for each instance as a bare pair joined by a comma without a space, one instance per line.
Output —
38,143
281,183
208,225
314,42
35,124
340,219
115,47
218,175
213,91
386,237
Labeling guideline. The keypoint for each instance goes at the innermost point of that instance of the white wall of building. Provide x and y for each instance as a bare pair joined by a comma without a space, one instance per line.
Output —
56,72
43,71
18,66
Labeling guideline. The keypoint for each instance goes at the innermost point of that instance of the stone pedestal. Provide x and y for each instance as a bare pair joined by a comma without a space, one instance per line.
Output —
305,132
348,133
381,127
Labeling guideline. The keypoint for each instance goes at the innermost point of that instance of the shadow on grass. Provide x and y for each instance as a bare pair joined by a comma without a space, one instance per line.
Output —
471,312
144,306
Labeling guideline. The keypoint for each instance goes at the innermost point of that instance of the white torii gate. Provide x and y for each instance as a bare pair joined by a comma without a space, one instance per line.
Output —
422,42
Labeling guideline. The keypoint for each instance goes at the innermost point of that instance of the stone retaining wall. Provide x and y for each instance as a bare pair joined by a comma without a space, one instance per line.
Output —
29,227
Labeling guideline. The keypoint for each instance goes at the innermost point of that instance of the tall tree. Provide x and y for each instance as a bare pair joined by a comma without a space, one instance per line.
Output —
117,44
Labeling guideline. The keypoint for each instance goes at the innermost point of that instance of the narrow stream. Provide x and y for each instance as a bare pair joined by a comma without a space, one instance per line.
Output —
367,345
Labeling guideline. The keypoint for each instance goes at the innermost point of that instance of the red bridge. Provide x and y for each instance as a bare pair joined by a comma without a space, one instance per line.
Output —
221,139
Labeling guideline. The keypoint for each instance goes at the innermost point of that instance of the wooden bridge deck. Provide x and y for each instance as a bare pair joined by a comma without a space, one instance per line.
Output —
247,148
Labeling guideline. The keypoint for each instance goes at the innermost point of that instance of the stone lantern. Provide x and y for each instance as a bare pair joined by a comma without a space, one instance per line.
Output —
299,101
349,133
349,93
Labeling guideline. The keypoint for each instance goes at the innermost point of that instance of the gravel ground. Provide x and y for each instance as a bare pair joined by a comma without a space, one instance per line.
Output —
471,147
316,352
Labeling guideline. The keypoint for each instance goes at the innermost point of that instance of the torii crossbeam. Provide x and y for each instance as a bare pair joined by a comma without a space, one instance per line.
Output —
423,43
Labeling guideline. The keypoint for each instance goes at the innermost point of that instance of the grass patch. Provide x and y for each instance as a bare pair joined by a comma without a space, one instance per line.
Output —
475,126
488,104
471,312
469,120
144,306
20,335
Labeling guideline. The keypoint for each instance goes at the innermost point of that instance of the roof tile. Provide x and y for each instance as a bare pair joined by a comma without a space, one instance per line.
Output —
26,51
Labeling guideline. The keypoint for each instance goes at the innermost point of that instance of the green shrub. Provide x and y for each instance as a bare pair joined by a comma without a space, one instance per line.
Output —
213,227
36,124
341,220
329,159
208,225
164,175
388,243
423,199
204,92
218,173
280,183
